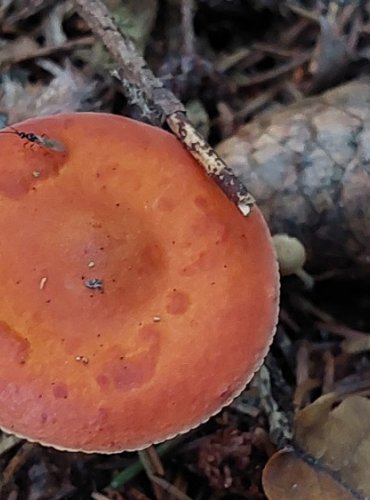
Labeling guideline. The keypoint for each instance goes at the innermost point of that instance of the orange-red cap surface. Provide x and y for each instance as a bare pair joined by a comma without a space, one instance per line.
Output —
136,300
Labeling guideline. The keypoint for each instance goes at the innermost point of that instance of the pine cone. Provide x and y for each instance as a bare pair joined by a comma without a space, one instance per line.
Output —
309,168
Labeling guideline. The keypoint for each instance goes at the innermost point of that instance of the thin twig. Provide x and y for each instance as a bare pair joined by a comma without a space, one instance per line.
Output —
145,459
170,488
155,461
275,51
158,103
256,104
307,14
14,464
187,7
211,162
141,86
154,474
48,51
271,74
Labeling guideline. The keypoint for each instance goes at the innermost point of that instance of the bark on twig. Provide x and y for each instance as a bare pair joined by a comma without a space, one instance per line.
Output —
158,103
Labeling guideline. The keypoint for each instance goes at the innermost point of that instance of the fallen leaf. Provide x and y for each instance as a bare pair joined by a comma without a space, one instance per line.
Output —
288,476
309,422
339,438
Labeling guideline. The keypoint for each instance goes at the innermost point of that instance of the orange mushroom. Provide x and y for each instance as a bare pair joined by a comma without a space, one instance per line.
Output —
136,301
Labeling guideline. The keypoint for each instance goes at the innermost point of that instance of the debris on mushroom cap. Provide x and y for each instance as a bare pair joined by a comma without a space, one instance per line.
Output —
291,256
190,287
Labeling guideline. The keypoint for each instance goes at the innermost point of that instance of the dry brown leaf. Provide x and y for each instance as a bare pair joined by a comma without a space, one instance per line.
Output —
308,167
309,422
339,438
288,476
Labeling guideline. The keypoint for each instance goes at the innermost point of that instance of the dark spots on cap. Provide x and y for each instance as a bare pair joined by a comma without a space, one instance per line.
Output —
134,368
149,335
149,260
102,380
178,302
44,418
203,262
14,187
103,415
18,178
211,228
166,204
73,344
60,390
201,202
130,374
15,347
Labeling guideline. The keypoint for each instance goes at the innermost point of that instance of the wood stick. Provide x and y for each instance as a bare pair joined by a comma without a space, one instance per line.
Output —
158,104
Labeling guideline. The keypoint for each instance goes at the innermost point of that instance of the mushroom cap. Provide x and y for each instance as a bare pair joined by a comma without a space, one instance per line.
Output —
136,301
290,253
